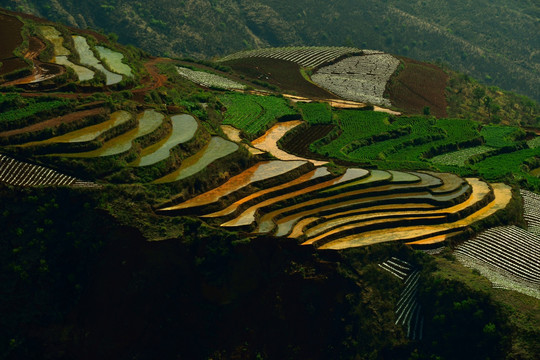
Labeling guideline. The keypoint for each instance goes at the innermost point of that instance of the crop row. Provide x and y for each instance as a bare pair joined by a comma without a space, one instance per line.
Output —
252,113
510,250
460,157
209,80
531,210
359,78
18,173
408,310
369,136
304,56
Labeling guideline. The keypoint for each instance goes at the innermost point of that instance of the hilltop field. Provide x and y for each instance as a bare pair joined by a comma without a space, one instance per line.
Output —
287,202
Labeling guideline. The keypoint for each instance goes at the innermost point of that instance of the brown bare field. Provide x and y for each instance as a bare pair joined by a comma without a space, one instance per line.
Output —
418,85
55,122
283,74
299,143
12,26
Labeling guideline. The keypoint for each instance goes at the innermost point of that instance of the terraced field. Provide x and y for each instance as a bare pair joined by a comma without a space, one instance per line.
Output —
359,78
18,173
269,142
251,113
307,56
147,122
88,58
183,129
216,149
61,53
114,61
89,133
357,208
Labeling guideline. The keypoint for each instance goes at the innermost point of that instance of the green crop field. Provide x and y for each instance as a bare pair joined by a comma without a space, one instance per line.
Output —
315,113
510,164
252,113
498,136
355,126
30,109
369,136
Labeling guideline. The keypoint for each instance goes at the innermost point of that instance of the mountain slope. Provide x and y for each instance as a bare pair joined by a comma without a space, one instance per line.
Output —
495,41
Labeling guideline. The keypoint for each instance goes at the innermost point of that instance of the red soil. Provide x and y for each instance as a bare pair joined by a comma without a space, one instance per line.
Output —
419,85
55,122
12,26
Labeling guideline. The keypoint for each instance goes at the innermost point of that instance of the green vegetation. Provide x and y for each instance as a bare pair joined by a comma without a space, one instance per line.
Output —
315,113
17,112
252,113
499,136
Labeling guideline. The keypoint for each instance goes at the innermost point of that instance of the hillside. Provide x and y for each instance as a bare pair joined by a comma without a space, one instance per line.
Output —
494,41
280,203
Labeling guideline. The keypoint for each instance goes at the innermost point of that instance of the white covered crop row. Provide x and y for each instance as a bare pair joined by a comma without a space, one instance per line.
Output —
531,210
511,251
408,310
209,80
18,173
308,56
359,78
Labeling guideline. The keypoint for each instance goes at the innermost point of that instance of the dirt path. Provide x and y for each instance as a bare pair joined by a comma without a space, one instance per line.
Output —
54,122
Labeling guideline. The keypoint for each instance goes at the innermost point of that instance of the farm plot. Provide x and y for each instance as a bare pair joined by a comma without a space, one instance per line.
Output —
356,126
359,78
498,136
285,75
88,133
235,135
268,142
209,80
307,56
357,208
259,172
315,113
9,62
508,164
216,149
61,53
147,122
460,157
418,85
15,116
17,173
183,129
531,210
408,310
88,58
251,113
113,60
508,256
299,143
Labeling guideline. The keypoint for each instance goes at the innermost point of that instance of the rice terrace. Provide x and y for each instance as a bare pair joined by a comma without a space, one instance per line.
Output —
388,205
